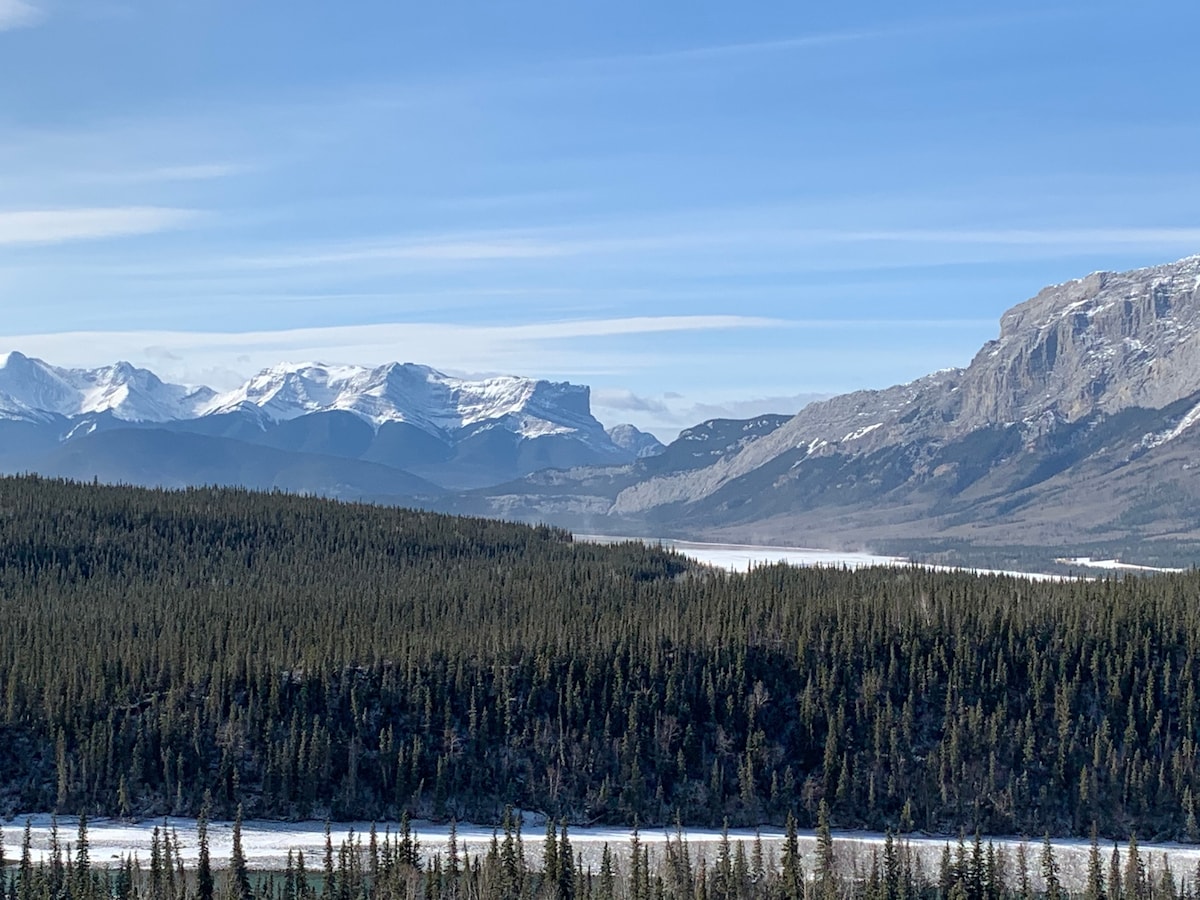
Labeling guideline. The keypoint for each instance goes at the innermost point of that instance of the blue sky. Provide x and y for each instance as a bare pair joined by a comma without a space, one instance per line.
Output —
698,208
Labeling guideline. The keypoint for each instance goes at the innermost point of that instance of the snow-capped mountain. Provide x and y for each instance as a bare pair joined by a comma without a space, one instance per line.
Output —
455,432
34,390
418,395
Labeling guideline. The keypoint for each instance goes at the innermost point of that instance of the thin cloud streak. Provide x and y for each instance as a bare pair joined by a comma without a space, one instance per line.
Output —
666,414
64,225
513,348
819,39
18,14
717,51
1031,236
448,250
350,334
193,172
574,347
546,244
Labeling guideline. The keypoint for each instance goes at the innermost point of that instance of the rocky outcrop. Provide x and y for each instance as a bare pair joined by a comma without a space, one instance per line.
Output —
1102,343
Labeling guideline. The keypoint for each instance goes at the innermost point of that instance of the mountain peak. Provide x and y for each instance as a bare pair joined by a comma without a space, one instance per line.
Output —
32,388
635,441
418,395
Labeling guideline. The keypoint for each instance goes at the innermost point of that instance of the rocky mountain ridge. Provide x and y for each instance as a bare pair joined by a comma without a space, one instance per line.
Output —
33,390
1087,400
452,433
1097,345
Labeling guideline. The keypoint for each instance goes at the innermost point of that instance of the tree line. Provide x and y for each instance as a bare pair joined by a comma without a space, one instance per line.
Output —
304,658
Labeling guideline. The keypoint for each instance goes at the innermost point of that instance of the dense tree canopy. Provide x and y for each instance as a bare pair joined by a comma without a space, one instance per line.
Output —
300,657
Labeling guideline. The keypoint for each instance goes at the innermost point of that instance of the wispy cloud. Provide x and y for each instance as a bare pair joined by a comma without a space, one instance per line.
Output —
515,200
193,172
18,14
63,225
636,325
632,239
891,31
623,400
541,348
716,51
1110,237
668,412
448,249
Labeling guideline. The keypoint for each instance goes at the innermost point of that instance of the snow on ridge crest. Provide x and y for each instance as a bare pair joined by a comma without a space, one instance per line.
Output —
415,394
32,388
419,395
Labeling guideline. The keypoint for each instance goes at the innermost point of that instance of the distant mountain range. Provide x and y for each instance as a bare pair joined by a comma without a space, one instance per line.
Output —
1074,429
390,432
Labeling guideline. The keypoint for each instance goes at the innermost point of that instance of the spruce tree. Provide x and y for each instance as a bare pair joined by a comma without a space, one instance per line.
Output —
1094,888
1051,885
793,874
83,866
204,874
566,866
826,863
550,854
606,890
239,875
1134,880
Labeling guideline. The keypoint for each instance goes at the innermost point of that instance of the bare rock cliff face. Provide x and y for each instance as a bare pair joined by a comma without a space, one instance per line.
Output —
1099,344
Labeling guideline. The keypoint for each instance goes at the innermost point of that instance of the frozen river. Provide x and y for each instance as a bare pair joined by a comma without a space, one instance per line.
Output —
742,557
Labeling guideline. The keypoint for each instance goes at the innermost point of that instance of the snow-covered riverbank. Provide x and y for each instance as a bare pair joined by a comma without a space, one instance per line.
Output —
266,844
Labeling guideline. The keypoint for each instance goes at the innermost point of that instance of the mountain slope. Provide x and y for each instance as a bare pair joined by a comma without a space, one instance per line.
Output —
1088,400
156,457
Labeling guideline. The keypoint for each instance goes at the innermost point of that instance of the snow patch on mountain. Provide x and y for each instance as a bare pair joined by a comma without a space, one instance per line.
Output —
1189,420
860,433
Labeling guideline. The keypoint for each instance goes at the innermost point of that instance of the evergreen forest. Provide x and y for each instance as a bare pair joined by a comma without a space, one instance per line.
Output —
164,652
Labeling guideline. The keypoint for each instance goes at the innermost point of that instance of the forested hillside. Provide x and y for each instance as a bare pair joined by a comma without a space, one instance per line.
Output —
306,658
